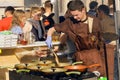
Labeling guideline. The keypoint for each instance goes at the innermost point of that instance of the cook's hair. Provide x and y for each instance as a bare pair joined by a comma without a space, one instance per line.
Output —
75,5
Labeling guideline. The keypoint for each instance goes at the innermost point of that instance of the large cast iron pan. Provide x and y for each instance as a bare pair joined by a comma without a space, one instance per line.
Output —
80,68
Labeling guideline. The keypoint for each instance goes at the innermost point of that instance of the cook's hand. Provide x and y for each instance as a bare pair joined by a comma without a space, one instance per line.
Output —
49,41
40,53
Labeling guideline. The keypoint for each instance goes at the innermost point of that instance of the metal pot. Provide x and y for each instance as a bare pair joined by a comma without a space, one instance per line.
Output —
54,70
23,65
40,67
44,62
63,64
34,68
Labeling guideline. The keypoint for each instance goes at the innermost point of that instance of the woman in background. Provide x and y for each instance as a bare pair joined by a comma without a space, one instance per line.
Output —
18,22
33,24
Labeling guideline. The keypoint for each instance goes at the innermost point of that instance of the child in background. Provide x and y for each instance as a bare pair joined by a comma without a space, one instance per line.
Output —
6,21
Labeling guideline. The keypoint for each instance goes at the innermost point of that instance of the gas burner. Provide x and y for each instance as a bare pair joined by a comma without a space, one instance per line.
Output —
87,75
33,75
69,78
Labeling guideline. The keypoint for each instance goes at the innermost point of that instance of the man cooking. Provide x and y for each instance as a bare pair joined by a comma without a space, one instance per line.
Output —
83,31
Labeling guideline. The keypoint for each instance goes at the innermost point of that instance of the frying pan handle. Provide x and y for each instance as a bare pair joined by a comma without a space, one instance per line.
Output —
22,70
93,65
79,62
73,72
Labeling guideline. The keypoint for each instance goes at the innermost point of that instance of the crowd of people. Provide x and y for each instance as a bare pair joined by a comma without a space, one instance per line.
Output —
36,20
81,31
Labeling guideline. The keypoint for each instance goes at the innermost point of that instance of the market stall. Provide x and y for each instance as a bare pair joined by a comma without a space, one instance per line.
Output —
9,57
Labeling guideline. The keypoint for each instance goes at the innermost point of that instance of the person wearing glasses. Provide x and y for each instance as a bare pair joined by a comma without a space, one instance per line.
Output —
34,25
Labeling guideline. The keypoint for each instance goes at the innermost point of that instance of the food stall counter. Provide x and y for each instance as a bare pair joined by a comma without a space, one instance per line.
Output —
35,44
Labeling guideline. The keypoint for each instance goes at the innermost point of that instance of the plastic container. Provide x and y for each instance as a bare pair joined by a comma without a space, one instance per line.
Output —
102,78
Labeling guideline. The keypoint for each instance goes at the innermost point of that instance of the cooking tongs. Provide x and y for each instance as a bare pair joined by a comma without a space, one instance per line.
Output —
56,57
